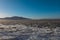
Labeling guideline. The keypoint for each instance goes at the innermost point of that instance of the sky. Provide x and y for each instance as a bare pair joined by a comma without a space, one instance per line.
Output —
35,9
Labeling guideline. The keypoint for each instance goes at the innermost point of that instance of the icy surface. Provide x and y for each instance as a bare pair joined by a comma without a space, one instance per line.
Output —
22,32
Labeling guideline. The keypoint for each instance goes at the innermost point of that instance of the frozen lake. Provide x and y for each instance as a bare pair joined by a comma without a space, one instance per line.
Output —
22,32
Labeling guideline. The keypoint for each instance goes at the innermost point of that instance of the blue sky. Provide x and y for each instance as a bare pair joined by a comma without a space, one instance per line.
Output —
35,9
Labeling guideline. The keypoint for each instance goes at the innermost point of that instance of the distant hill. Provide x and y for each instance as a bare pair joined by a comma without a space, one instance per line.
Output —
15,18
23,18
27,21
